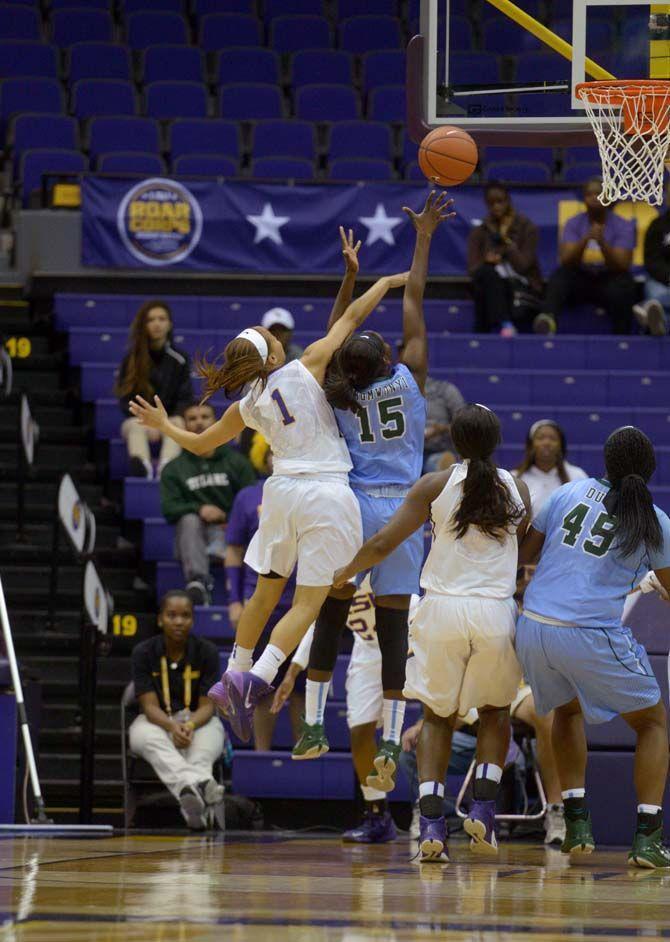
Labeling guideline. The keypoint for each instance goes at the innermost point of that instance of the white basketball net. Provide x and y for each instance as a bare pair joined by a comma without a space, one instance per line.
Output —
632,126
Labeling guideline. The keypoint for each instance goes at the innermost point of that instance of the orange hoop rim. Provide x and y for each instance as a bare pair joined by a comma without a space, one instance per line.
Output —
649,86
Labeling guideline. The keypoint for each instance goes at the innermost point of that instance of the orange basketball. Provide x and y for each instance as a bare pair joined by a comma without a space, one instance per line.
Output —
449,154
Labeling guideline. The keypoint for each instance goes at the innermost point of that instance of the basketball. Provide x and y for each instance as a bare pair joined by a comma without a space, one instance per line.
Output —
448,154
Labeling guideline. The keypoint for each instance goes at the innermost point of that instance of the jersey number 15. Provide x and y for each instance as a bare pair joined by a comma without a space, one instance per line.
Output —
391,420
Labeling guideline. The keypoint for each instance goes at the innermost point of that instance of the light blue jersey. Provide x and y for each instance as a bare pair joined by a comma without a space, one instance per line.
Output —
385,440
581,578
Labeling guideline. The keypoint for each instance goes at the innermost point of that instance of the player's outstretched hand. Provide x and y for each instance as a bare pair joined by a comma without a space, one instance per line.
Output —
437,209
150,416
350,251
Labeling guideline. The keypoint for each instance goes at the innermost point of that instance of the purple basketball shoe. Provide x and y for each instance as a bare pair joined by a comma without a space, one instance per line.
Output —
237,695
480,825
433,840
374,829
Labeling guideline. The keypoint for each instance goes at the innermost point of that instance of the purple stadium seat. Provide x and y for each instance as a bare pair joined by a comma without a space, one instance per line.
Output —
557,104
600,34
31,131
153,6
580,173
284,139
25,58
348,169
580,155
286,168
623,353
468,68
413,171
247,64
221,30
211,136
349,8
93,97
541,66
518,171
99,345
109,134
131,162
646,389
460,35
79,4
506,38
157,538
172,63
148,29
361,33
371,139
321,66
275,8
176,100
569,388
18,96
19,22
386,67
541,155
294,33
205,165
99,60
81,25
251,102
327,103
555,353
34,163
205,7
388,103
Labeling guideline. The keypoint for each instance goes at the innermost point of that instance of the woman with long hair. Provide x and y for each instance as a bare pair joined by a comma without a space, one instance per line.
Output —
152,367
309,516
544,467
462,635
595,539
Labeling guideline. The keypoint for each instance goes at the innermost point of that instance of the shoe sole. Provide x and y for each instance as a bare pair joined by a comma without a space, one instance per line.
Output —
384,780
314,753
217,694
644,864
193,811
656,320
581,850
433,852
477,831
237,715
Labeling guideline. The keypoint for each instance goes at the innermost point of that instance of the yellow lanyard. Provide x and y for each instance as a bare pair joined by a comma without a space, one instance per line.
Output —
165,684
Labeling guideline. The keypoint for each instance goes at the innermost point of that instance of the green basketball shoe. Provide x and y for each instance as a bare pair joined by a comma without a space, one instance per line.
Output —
648,851
578,837
386,763
312,742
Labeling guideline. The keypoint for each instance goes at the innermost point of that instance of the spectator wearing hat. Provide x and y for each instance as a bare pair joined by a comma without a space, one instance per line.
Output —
544,468
280,323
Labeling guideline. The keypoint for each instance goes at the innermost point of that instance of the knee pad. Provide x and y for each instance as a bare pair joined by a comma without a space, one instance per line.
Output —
392,632
328,630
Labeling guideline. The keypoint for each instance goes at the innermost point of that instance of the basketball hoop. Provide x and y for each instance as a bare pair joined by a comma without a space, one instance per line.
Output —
631,121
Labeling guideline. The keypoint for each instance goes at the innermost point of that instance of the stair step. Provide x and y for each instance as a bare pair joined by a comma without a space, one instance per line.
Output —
67,740
46,473
49,434
59,766
47,416
37,593
66,715
39,372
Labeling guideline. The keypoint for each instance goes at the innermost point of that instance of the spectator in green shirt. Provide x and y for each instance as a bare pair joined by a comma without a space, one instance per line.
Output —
197,492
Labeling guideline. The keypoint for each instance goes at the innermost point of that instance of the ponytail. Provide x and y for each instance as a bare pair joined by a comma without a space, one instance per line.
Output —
487,503
339,388
359,362
242,364
630,462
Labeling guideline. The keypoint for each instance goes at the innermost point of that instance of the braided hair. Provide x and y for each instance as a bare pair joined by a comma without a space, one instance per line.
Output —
630,462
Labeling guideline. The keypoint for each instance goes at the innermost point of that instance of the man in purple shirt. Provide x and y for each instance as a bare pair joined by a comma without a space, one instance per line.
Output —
596,252
241,581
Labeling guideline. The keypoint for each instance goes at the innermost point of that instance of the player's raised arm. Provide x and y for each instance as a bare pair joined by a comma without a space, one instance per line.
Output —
224,430
350,251
415,344
317,356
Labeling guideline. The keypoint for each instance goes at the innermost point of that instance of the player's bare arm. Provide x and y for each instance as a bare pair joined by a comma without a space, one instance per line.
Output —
350,251
531,547
155,416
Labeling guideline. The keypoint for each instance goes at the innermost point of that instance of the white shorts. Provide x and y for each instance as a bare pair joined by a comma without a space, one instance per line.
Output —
312,521
365,694
463,654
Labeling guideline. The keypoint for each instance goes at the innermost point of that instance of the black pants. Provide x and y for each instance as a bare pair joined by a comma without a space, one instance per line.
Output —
494,302
615,291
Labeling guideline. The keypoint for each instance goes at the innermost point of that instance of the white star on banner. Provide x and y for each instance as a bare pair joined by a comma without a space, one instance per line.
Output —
268,225
380,226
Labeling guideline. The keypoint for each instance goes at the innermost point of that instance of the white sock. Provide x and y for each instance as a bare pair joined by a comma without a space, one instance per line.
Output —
372,794
573,793
268,663
316,693
490,771
648,809
394,714
240,658
431,788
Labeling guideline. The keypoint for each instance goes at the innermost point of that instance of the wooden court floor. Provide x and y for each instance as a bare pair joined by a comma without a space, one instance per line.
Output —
281,887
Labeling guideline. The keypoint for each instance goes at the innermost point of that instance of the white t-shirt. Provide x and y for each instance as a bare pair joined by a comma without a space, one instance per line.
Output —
542,484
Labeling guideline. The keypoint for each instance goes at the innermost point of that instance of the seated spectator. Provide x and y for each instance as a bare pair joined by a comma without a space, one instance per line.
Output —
280,323
152,367
503,265
242,525
197,493
177,731
653,313
596,253
443,400
544,468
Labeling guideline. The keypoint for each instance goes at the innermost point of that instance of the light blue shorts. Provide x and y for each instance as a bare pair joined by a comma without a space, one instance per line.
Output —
605,668
399,573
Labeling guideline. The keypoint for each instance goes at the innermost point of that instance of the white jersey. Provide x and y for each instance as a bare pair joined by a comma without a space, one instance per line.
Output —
476,565
293,415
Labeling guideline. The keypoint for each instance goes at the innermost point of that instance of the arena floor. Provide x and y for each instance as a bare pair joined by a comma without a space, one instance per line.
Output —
281,887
